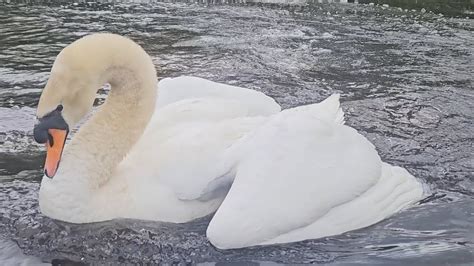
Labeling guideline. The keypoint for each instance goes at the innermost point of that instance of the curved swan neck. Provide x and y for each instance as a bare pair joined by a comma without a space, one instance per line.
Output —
102,143
106,138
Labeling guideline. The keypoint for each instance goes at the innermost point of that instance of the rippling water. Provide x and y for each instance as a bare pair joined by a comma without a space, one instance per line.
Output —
406,80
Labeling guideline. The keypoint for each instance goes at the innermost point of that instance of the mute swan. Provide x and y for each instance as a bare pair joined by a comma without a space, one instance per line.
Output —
293,175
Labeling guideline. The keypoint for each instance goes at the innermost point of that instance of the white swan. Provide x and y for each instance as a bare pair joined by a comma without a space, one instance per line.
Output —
294,175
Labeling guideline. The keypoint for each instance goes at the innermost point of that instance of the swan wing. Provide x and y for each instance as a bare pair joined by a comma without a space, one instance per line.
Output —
186,87
205,132
185,144
293,171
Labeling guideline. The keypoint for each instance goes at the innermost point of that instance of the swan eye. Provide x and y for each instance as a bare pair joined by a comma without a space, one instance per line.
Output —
59,108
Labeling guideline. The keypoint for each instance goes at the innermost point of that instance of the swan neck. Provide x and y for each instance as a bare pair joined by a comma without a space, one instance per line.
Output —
105,139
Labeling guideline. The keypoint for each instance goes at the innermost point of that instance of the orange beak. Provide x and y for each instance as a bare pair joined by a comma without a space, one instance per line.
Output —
54,150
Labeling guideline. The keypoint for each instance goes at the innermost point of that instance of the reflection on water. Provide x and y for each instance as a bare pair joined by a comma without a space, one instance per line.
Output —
405,80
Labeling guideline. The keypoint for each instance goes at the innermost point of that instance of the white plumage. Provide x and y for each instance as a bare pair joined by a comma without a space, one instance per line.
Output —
273,176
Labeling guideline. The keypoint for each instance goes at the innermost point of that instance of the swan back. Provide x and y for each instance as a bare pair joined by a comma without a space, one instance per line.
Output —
185,87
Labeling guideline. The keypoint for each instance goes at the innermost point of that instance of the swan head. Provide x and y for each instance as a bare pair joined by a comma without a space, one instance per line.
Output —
73,83
52,130
59,109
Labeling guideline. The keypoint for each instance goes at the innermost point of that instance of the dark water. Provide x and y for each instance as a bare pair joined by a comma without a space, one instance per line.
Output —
453,8
406,80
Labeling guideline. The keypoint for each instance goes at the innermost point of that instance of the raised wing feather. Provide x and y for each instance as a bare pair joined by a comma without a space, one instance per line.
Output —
293,170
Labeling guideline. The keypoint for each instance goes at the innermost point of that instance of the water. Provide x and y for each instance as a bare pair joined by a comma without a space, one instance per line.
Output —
406,84
456,8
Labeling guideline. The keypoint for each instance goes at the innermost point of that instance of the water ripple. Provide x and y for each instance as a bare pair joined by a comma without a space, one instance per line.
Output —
405,79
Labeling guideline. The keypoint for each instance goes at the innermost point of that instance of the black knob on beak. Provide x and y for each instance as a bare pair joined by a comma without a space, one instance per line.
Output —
54,119
40,133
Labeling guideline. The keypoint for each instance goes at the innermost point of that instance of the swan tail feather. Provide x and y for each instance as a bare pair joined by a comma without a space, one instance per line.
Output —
329,110
340,117
334,104
396,189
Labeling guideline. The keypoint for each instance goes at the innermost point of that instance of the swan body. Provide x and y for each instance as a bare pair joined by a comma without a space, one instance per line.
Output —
199,146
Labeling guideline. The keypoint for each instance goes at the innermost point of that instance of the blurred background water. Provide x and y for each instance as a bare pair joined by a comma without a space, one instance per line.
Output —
406,79
452,8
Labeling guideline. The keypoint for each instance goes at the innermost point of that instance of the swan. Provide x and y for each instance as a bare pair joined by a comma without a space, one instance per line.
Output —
193,147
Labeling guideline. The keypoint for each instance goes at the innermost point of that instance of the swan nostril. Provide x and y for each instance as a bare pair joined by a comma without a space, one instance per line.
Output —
51,140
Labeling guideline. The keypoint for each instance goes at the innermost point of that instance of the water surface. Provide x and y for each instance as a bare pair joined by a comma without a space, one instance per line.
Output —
406,84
